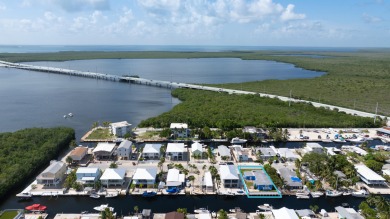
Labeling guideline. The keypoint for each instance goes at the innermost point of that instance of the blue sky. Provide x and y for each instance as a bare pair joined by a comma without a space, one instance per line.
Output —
330,23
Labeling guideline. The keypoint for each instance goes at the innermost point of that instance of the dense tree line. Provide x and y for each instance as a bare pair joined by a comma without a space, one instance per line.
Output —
26,151
227,111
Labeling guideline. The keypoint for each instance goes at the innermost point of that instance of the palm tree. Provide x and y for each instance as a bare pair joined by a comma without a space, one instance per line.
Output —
107,214
95,124
136,209
69,160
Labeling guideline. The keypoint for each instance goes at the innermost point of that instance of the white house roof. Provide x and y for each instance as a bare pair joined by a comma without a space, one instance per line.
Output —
179,125
82,170
113,174
348,213
224,151
173,175
108,147
208,181
175,148
287,153
368,173
313,145
120,124
152,148
54,167
228,172
145,173
196,146
284,213
125,144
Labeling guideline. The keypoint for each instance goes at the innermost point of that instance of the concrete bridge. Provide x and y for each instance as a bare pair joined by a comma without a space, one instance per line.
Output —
173,85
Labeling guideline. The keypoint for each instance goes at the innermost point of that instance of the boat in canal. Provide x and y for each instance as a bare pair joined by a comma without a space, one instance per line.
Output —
265,207
36,208
94,195
333,193
173,190
111,195
238,140
360,194
201,211
24,196
103,208
303,196
148,194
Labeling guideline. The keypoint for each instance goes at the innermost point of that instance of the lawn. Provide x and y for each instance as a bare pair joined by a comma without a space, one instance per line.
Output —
8,215
101,133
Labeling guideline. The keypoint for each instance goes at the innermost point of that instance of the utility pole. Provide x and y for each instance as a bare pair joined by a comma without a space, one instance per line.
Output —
376,112
289,102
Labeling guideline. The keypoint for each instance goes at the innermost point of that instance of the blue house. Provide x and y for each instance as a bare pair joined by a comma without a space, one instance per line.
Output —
260,179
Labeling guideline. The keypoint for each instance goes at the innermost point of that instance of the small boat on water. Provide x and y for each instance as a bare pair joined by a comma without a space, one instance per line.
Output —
172,190
111,195
94,195
70,114
357,140
360,194
303,196
333,193
201,211
36,208
103,208
24,196
238,140
148,194
346,193
65,116
214,214
265,207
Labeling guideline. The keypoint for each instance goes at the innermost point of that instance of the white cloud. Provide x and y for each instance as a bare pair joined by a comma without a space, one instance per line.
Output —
79,5
289,14
127,16
371,19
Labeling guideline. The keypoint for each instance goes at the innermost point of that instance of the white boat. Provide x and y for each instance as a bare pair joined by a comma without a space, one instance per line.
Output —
339,141
94,195
346,193
303,196
360,194
316,194
232,210
111,195
201,211
265,207
238,140
326,140
357,140
333,193
103,208
213,214
24,195
65,116
70,114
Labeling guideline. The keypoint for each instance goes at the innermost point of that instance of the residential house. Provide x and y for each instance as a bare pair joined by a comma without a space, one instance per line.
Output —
312,147
104,150
175,179
124,149
145,176
180,130
87,175
78,153
175,151
284,213
255,132
241,154
354,149
347,213
151,151
261,180
290,178
369,176
174,215
229,176
146,214
332,151
224,152
113,177
208,182
197,149
53,174
266,153
287,153
306,213
120,129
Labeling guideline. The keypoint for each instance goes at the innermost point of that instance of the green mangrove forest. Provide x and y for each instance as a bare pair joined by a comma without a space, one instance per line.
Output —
27,151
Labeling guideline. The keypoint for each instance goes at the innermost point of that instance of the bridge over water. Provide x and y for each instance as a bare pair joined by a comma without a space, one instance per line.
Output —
173,85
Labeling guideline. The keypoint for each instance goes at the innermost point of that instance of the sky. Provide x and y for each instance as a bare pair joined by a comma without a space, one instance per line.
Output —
311,23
